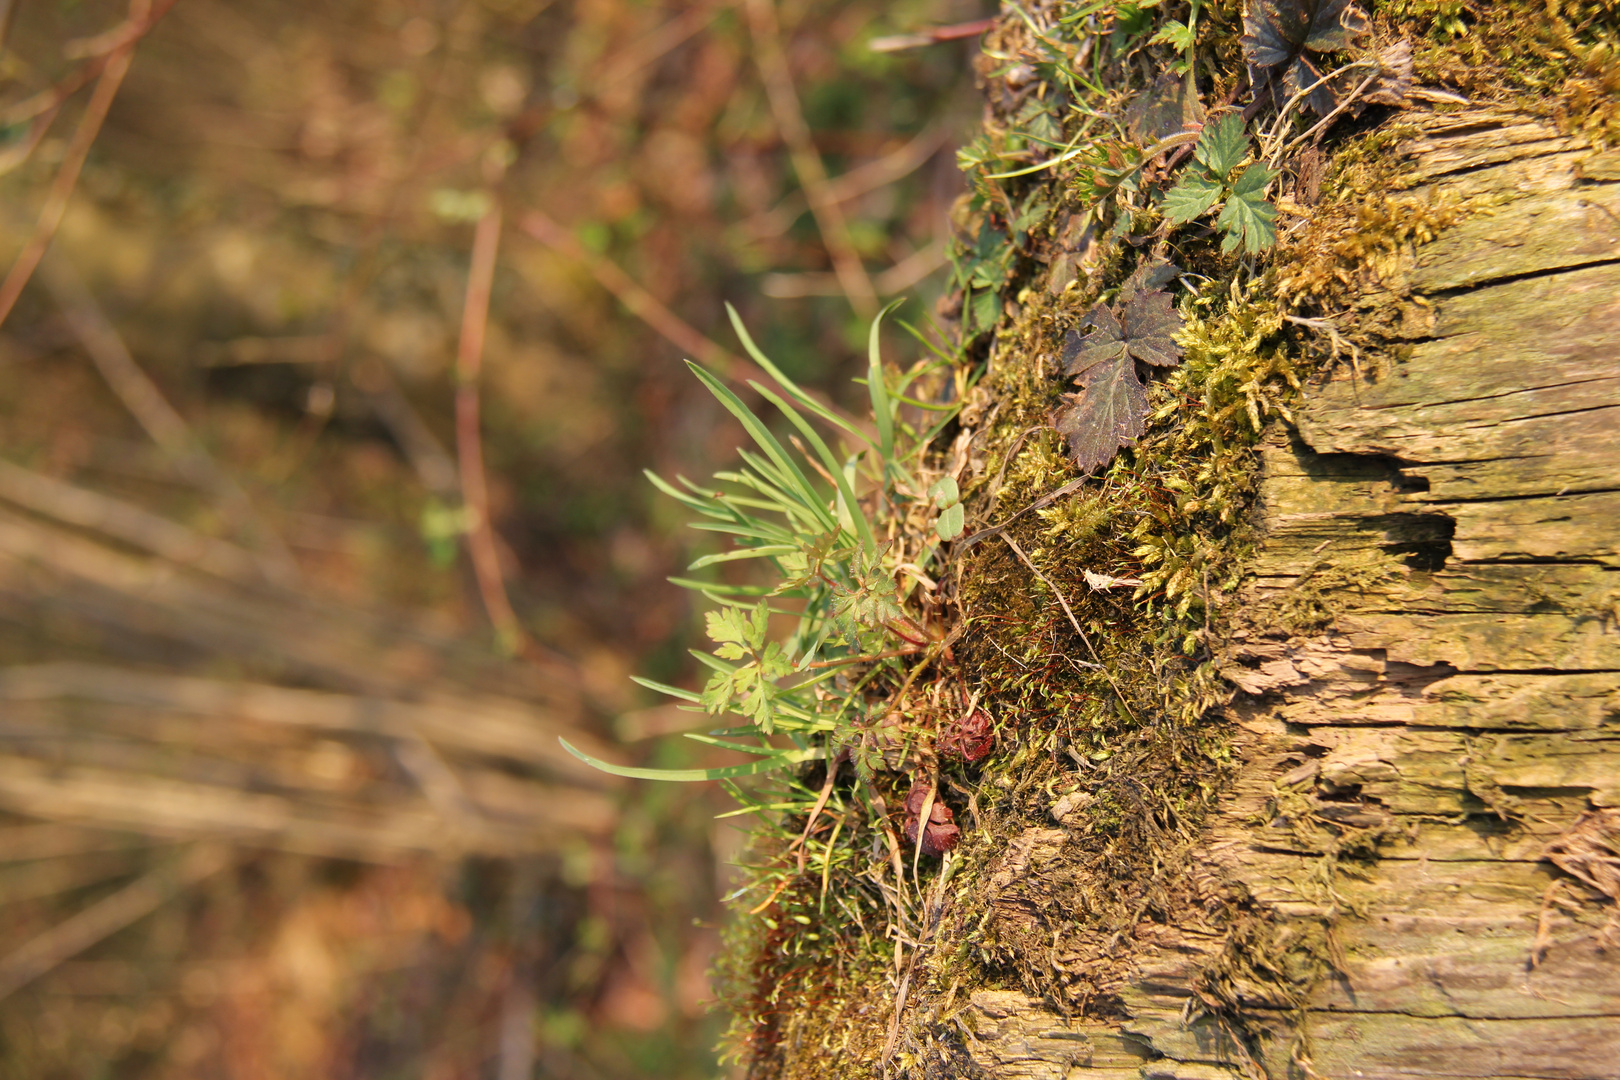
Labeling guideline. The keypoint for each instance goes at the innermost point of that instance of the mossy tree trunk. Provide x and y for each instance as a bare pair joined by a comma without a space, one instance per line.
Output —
1421,845
1412,868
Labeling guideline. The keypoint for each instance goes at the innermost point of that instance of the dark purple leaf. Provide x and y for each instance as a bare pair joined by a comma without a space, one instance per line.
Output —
1147,277
1105,342
939,834
1278,34
1111,413
1112,410
1149,321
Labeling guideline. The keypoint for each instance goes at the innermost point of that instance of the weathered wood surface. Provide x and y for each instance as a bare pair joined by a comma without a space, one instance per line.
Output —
1453,526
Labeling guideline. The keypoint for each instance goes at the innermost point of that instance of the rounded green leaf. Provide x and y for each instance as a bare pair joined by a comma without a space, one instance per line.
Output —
951,519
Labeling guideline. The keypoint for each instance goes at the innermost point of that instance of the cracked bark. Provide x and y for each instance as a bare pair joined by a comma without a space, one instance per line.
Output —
1457,519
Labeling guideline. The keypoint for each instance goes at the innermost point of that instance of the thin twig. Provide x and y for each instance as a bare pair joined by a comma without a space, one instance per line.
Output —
469,443
778,78
67,174
935,36
1330,117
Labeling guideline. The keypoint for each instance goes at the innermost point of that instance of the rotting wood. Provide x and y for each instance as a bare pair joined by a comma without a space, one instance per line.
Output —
1431,749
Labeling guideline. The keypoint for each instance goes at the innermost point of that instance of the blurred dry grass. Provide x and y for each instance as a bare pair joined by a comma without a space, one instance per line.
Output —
305,561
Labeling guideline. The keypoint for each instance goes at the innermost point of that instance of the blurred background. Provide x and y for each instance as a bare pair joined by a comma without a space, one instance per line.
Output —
334,338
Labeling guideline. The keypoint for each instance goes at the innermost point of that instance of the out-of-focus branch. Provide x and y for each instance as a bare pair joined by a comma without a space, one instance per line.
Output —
896,279
829,215
106,917
143,15
469,443
855,183
650,310
24,148
161,420
67,174
125,521
639,302
939,34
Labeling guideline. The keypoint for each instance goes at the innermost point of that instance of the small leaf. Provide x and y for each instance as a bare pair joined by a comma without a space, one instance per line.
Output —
1192,197
1279,34
1174,33
1276,31
727,625
1248,218
944,492
949,525
984,310
1223,145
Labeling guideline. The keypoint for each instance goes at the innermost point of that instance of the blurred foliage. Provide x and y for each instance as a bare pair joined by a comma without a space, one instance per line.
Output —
277,218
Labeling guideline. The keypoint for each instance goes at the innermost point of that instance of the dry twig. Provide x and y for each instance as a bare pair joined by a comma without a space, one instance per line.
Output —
481,546
141,18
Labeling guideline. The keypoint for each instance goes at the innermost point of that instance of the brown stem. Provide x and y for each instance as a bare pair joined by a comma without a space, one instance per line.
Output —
481,546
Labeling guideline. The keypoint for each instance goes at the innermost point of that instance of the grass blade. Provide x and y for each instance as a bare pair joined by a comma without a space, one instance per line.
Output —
793,389
780,760
881,410
767,442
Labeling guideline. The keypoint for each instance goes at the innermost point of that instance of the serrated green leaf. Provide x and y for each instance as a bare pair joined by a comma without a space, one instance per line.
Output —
1248,219
1174,33
1192,197
949,525
984,310
1223,145
726,626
